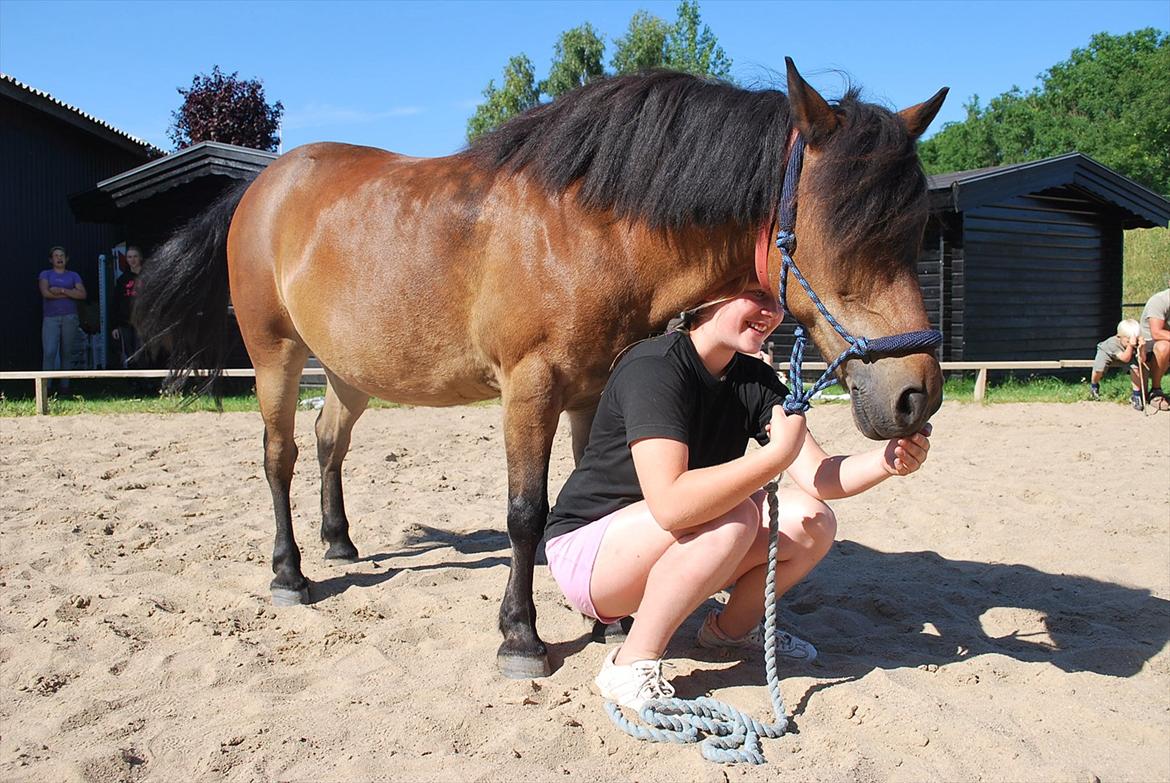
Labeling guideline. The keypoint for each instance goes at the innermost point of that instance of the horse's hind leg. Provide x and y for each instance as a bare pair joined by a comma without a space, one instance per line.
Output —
530,421
277,386
343,405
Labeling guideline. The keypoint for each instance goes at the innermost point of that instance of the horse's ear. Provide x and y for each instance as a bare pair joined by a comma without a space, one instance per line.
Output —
814,117
917,118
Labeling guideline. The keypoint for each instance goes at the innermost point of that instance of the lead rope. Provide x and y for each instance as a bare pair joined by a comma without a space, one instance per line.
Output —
731,736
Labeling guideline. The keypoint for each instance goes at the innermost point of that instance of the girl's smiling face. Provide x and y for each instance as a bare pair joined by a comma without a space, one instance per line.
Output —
744,322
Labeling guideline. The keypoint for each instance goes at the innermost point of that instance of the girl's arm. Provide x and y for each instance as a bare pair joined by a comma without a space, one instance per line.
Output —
679,498
77,291
830,478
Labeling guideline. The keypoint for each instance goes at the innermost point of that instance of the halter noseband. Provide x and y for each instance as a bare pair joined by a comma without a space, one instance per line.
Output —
798,400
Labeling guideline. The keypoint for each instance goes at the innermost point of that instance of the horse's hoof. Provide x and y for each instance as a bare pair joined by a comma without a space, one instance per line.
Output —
523,667
342,552
282,596
613,633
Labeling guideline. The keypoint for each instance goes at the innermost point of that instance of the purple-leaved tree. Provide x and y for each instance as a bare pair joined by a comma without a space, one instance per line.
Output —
223,107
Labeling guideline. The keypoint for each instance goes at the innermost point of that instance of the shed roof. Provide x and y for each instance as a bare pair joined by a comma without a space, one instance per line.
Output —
207,158
11,87
962,190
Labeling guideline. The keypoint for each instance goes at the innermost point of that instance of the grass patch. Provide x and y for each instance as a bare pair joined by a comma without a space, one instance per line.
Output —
1115,387
1145,272
1004,387
111,397
106,397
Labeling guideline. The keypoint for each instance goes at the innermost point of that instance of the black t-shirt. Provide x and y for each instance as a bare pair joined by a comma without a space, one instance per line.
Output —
125,292
661,389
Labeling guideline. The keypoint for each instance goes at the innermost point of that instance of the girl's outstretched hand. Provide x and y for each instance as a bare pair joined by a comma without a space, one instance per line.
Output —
903,456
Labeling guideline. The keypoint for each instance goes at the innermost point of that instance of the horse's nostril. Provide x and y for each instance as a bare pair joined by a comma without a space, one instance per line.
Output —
911,404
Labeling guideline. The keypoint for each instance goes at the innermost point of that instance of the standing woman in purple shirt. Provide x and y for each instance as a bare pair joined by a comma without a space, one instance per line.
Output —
60,291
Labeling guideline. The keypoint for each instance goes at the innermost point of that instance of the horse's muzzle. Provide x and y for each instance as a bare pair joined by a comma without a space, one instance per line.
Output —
894,398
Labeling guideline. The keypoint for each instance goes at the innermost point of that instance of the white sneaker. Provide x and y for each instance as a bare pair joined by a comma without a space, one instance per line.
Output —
634,684
787,645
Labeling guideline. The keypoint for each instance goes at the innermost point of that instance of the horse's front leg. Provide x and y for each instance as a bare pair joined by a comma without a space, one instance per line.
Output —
343,406
580,423
530,422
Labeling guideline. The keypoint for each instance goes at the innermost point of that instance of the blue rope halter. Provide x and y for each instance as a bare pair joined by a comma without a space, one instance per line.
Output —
799,400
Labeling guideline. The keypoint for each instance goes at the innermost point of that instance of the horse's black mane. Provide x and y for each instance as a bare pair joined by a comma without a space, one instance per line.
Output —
677,150
666,147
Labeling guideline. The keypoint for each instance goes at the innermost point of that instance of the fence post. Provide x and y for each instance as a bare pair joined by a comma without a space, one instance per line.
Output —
42,385
981,385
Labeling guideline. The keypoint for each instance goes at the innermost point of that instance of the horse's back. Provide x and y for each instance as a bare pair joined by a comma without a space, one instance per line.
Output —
365,256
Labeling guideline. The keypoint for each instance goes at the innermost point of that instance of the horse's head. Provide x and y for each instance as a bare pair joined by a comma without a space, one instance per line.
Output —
862,209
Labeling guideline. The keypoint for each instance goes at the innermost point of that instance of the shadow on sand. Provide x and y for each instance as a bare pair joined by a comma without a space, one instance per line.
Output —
422,539
869,610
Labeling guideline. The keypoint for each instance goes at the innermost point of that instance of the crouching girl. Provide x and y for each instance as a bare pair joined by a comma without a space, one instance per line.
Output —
665,508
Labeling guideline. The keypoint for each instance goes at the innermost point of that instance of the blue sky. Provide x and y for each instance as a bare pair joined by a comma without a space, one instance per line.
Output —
407,75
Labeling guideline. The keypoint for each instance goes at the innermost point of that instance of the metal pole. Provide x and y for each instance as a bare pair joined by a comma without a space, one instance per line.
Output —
103,305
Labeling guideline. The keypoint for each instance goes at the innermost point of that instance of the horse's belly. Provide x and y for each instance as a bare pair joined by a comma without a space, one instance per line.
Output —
400,367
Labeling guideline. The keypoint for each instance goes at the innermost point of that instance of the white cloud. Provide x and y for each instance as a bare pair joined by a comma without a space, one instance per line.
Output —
316,115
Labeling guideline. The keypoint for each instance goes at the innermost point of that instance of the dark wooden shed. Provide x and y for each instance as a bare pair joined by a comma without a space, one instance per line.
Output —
1024,262
152,200
49,150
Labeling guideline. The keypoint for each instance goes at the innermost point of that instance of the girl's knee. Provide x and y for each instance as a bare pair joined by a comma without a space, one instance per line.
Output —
826,527
736,530
810,524
820,525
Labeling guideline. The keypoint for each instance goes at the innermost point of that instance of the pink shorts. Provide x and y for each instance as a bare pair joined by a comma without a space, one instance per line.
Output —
570,559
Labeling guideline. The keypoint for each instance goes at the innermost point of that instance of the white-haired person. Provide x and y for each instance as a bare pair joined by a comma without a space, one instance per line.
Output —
1155,348
665,508
1119,351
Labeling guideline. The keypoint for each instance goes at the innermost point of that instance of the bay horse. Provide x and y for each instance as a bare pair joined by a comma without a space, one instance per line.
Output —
519,267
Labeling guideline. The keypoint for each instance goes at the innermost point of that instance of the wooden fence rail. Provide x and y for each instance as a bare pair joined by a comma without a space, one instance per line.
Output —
41,378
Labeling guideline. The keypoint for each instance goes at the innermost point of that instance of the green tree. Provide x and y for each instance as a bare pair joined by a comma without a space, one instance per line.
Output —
687,45
1108,100
519,93
576,60
692,48
643,46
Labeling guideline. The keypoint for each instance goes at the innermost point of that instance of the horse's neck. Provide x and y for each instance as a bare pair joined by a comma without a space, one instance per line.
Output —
685,268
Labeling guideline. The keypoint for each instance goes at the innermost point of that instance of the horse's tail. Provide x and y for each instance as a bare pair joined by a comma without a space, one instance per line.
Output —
181,307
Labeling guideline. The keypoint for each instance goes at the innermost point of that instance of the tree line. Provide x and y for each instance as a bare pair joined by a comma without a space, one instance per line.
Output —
650,42
1109,100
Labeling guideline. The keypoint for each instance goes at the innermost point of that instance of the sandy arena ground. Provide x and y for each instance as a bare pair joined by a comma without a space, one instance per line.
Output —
1002,615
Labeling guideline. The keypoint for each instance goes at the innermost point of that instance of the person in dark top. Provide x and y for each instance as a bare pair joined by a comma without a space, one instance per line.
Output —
125,291
665,508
